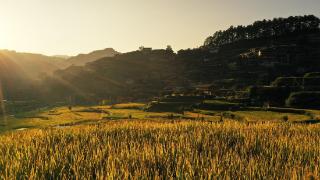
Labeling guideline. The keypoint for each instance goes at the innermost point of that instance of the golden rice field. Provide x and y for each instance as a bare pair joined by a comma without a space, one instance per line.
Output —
163,149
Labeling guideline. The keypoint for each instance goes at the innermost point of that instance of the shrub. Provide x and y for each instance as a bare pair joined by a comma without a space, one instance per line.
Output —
285,118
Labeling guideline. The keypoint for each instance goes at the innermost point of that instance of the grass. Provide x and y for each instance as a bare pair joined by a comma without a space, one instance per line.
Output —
162,149
41,119
102,142
62,115
259,116
270,116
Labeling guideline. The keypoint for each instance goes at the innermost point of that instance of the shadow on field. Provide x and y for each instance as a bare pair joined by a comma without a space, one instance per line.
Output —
311,121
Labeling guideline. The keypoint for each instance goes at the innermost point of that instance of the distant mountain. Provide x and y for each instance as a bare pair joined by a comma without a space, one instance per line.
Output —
35,65
30,65
62,56
83,59
137,74
21,73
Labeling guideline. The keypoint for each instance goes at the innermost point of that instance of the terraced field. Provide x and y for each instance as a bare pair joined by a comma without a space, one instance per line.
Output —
63,116
116,142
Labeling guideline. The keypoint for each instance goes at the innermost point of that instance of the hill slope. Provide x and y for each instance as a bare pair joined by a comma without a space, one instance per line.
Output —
135,74
82,59
20,73
31,65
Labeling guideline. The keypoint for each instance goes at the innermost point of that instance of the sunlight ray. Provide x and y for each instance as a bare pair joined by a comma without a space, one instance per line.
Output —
2,103
71,86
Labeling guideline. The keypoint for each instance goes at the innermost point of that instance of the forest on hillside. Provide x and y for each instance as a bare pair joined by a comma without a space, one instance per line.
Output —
293,25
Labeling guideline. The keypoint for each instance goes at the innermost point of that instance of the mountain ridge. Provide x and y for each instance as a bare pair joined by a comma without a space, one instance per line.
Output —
82,59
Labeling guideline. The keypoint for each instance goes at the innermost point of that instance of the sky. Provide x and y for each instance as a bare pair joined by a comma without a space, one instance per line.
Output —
70,27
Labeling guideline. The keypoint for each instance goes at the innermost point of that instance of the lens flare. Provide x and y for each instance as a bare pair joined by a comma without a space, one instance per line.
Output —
2,103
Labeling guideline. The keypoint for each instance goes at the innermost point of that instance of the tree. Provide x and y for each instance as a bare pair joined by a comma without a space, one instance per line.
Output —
265,29
169,49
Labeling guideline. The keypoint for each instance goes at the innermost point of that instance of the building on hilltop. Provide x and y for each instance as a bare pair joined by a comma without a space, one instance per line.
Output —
145,49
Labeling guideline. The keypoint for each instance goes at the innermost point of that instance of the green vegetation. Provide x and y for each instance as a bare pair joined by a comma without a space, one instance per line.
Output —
271,116
265,29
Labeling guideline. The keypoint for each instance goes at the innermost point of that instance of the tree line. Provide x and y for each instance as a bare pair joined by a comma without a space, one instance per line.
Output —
265,29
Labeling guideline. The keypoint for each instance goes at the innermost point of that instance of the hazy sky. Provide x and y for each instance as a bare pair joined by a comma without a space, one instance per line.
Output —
75,26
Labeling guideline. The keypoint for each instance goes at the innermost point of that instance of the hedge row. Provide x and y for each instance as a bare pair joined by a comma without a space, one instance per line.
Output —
304,99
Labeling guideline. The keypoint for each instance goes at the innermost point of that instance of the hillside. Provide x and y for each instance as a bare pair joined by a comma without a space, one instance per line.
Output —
252,62
20,73
257,53
83,59
131,75
230,67
31,65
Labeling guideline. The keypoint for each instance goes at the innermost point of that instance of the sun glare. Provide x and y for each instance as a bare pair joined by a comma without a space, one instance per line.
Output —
4,36
2,104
